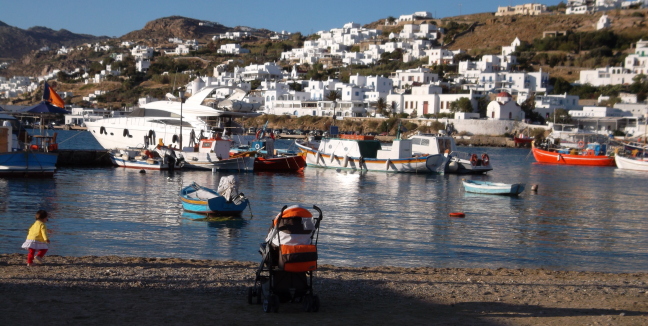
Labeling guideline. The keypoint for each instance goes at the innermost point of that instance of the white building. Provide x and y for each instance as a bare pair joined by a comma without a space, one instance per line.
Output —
232,49
609,75
545,105
529,9
504,108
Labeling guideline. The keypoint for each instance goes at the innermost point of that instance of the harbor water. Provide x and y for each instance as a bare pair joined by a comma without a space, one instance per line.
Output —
580,218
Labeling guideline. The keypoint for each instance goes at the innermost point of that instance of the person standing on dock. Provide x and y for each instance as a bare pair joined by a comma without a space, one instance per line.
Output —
37,239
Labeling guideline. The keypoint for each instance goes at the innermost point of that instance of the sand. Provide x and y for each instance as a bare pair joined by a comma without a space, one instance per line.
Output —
166,291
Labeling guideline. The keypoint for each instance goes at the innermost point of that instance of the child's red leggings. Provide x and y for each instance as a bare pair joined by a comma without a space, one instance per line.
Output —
30,255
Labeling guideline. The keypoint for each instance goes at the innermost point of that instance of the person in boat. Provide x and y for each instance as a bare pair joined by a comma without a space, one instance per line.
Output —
37,238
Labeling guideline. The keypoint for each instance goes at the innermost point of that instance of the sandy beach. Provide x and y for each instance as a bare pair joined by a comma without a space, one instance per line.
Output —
166,291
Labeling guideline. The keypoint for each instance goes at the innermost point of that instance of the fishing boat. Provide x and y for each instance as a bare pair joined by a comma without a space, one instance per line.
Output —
262,150
21,158
459,162
224,201
214,154
358,152
144,159
493,188
171,122
594,154
294,163
637,163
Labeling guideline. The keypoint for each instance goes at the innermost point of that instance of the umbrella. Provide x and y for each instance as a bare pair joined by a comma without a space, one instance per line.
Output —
44,107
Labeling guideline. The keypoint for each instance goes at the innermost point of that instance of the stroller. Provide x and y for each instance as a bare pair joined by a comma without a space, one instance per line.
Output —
289,257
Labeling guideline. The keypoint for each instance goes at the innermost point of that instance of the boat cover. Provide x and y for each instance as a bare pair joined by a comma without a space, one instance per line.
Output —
228,187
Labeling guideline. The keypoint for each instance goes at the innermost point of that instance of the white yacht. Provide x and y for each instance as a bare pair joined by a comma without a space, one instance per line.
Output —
164,122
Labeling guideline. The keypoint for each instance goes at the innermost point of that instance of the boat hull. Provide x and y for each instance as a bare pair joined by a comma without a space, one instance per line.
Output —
202,161
419,164
547,157
280,164
28,164
216,205
629,163
141,164
493,188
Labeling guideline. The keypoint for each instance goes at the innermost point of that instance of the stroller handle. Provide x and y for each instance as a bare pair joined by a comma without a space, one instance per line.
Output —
319,211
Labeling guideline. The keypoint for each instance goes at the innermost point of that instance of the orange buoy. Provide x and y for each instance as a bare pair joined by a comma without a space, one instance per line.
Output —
457,214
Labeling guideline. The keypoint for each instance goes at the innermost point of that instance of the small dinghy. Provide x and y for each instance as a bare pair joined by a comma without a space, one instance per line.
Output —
493,188
225,201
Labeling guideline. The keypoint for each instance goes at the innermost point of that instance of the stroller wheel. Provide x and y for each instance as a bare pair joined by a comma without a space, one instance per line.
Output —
271,304
308,303
259,293
250,294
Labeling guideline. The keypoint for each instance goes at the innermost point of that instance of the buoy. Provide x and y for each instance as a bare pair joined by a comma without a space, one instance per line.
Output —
457,214
534,187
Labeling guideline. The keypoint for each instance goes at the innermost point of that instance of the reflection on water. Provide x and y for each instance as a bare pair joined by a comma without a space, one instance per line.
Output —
582,218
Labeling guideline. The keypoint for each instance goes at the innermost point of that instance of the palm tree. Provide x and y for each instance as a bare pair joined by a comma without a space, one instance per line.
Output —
381,106
333,96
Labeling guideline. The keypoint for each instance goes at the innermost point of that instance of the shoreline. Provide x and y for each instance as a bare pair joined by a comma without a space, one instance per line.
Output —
130,290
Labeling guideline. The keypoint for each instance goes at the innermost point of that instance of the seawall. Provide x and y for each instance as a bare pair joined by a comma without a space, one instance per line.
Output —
69,157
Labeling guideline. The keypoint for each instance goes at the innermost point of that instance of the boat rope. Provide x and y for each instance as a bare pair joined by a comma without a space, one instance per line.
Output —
249,207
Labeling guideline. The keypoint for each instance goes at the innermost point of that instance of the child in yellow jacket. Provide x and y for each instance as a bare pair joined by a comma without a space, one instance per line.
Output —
37,238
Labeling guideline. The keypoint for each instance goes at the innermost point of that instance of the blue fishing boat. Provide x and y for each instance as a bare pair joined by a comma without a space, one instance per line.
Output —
493,188
225,201
21,158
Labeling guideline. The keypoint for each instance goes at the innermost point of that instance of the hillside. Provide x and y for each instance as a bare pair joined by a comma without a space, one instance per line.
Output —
494,32
16,42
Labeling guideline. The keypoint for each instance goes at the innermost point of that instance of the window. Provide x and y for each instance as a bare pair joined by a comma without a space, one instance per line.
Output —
510,115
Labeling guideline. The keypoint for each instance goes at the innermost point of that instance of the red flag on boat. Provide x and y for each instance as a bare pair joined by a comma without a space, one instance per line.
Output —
50,95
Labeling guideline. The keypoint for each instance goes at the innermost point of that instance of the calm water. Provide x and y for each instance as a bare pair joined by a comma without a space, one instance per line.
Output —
581,218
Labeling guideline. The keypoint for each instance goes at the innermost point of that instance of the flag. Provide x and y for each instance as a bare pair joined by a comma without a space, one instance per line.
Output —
50,95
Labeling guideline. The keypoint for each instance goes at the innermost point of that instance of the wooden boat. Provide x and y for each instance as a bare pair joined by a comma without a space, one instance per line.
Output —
19,158
214,154
564,156
367,154
295,163
459,162
493,188
144,159
270,163
202,200
631,163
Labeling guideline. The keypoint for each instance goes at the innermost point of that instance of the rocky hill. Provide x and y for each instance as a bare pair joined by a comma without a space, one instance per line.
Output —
186,28
16,42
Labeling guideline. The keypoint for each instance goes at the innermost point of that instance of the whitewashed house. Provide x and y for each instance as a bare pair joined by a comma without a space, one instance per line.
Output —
504,108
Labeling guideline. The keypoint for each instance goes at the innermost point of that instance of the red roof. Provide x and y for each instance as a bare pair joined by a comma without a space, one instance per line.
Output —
504,94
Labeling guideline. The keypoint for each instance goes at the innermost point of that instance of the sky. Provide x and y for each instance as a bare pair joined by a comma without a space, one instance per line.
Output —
114,18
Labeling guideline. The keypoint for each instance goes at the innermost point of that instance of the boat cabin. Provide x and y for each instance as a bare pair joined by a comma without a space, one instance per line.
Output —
350,147
432,144
218,146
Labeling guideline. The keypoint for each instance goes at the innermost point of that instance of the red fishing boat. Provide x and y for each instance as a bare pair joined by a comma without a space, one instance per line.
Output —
280,164
593,155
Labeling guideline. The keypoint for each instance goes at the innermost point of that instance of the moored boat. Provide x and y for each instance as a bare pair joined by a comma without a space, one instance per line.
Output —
224,201
143,159
639,163
459,162
169,122
20,159
593,155
493,188
365,153
214,154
